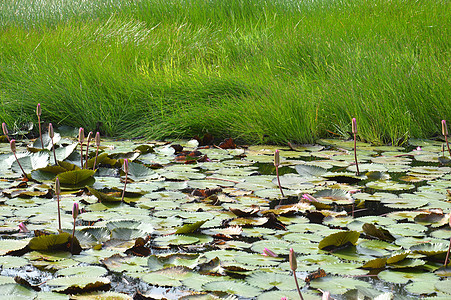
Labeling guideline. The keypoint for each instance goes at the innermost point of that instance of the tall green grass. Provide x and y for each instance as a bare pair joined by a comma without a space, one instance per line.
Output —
261,71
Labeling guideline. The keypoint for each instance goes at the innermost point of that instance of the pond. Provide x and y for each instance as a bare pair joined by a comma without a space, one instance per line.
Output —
210,222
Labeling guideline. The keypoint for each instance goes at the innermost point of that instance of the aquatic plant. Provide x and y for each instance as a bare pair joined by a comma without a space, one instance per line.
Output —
97,140
293,267
445,134
5,131
81,139
51,135
125,168
354,132
12,144
57,192
75,212
87,148
277,164
23,228
38,113
449,246
268,252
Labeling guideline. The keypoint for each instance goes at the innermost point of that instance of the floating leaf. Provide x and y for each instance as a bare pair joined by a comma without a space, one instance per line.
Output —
339,239
189,228
233,287
54,242
309,171
380,233
79,284
266,281
103,197
75,177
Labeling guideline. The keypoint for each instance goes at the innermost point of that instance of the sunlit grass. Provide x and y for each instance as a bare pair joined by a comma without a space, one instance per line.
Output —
262,71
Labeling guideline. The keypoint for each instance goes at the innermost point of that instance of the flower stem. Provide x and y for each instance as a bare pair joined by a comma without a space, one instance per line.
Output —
297,285
447,253
355,154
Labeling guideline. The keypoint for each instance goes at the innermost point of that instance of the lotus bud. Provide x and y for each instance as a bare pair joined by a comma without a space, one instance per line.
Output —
309,198
81,135
267,252
284,298
12,143
51,132
57,186
276,158
326,296
444,128
354,126
125,166
293,262
38,110
5,130
97,139
75,210
23,228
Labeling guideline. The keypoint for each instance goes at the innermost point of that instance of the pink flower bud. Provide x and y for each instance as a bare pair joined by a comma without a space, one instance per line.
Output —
284,298
81,135
57,186
326,296
12,143
97,139
5,130
75,210
276,158
38,110
418,148
267,252
444,128
293,262
23,228
125,166
309,198
354,126
51,132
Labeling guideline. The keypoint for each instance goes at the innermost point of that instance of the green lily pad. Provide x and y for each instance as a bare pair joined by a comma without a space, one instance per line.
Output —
266,281
233,287
54,242
444,286
103,197
79,284
139,172
389,185
430,249
404,277
339,239
167,240
75,177
31,162
14,291
337,285
95,271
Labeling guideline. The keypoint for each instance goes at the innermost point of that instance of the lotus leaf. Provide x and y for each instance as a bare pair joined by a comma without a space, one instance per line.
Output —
79,284
14,291
267,281
404,277
339,239
337,285
236,288
75,177
95,271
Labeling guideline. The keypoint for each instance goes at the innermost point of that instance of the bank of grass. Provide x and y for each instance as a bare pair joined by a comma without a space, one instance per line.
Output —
261,71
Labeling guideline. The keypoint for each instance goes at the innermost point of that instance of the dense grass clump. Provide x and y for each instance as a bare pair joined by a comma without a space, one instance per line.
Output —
262,71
